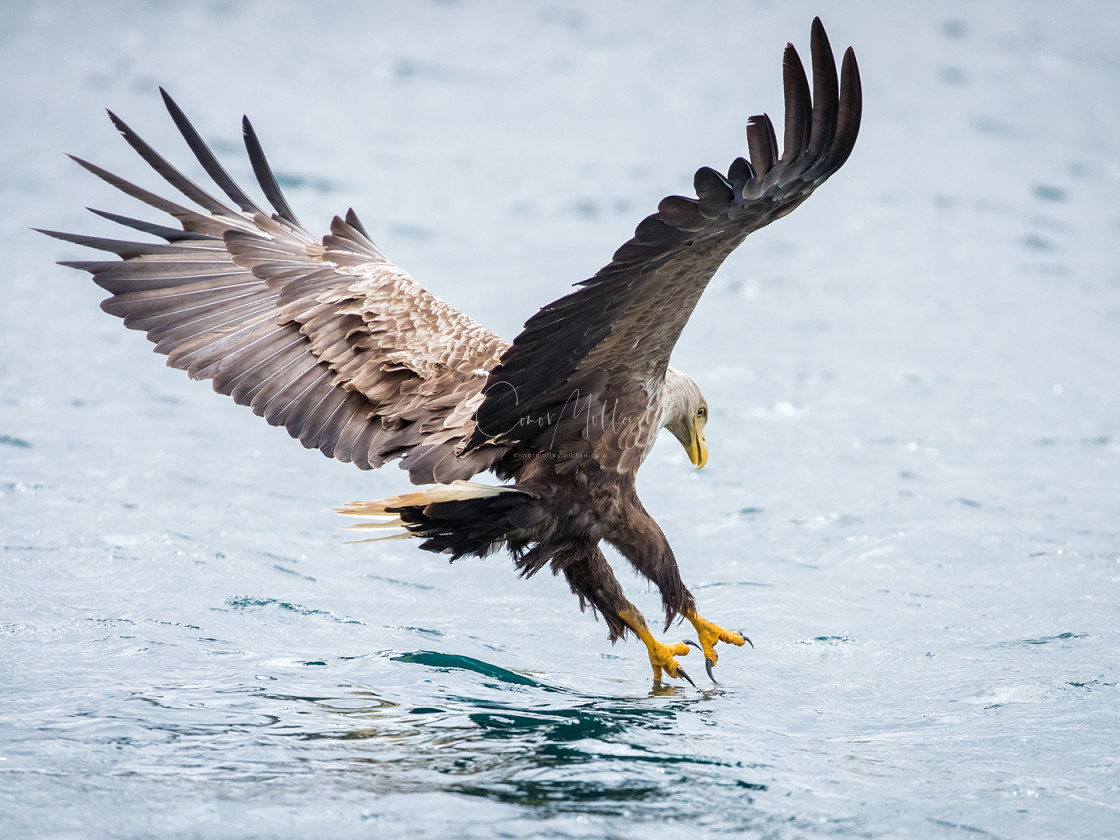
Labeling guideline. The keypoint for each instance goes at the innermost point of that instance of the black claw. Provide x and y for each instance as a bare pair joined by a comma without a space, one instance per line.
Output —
746,639
690,642
708,665
681,673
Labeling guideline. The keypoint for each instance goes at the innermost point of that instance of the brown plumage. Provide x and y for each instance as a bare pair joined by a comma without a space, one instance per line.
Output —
345,350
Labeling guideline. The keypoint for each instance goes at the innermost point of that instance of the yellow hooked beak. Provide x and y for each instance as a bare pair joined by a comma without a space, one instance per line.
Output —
697,446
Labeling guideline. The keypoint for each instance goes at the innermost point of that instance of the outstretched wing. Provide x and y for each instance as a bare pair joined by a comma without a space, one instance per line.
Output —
328,339
588,370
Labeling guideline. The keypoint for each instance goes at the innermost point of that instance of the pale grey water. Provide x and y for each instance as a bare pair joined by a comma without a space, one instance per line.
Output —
911,504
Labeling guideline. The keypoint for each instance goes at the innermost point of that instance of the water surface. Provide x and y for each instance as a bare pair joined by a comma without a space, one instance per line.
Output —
910,504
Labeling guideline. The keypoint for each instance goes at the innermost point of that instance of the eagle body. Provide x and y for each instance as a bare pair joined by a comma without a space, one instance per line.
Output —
330,339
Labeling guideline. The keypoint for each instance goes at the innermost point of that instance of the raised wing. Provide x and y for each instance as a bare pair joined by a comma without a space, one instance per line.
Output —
328,339
591,366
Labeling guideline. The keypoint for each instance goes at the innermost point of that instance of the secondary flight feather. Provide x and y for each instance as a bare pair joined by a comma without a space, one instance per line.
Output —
331,340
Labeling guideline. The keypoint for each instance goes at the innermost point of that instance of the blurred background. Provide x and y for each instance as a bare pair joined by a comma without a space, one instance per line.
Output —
911,500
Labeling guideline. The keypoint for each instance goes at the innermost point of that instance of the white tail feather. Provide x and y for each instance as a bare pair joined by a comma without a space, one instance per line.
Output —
406,535
456,491
362,526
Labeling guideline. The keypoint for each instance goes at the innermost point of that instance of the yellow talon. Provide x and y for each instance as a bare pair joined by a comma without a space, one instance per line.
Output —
709,633
661,655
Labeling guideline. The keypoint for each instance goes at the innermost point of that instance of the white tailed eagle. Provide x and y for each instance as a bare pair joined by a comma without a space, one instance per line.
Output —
331,340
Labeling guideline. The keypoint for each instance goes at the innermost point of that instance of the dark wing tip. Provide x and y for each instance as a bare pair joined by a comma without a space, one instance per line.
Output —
798,105
206,157
265,176
168,172
117,122
163,232
850,76
848,118
821,129
762,144
75,238
356,223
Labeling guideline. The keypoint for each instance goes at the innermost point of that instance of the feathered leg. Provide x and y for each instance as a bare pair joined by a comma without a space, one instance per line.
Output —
591,578
642,542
